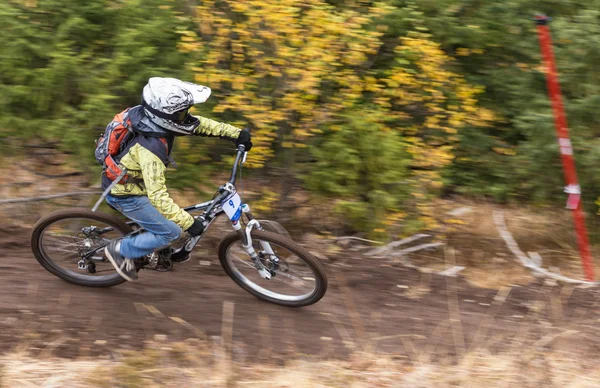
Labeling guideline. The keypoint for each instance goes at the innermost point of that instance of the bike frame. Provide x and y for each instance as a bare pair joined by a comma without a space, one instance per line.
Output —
213,209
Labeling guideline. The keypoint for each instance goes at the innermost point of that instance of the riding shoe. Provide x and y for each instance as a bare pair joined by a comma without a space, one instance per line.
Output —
180,257
124,266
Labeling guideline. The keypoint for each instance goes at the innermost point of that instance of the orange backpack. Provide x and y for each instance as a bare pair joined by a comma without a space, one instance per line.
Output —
117,135
109,147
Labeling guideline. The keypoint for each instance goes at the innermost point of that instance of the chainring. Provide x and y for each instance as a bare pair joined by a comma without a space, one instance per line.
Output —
160,261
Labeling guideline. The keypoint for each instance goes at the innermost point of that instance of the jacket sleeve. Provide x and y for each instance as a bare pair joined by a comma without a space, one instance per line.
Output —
210,127
153,172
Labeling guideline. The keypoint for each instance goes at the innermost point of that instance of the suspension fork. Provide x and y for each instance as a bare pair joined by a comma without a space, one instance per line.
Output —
246,237
254,223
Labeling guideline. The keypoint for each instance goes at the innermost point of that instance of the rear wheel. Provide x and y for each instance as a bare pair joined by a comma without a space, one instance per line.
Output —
70,244
297,277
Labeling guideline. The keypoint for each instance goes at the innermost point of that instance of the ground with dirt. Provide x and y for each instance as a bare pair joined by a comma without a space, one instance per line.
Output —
372,304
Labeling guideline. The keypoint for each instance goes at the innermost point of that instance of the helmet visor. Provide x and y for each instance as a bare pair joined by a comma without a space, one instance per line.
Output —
181,115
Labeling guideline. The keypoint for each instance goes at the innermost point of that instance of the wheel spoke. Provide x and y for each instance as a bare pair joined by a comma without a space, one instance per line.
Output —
245,262
72,256
63,242
297,283
301,274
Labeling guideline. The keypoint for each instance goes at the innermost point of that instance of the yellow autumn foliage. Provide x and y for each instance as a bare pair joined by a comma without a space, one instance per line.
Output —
269,60
291,68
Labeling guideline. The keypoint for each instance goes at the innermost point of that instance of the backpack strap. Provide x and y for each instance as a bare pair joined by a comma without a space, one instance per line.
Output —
170,158
108,189
126,122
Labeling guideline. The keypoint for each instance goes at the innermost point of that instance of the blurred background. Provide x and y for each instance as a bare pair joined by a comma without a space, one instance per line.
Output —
376,120
369,109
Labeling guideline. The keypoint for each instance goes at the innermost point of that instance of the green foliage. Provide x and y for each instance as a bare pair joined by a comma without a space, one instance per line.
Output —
496,46
68,66
363,169
378,106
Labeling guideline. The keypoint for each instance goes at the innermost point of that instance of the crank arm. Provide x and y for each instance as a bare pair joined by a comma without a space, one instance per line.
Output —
192,243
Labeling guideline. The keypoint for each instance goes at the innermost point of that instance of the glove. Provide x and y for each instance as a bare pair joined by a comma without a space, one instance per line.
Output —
197,228
244,138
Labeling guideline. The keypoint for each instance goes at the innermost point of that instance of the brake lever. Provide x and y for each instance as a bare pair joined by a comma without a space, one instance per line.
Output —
244,157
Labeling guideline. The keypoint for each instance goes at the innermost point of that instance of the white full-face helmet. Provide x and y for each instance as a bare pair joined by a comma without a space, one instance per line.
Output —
167,102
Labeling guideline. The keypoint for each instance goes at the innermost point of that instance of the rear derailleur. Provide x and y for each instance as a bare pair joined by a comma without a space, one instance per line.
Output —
86,265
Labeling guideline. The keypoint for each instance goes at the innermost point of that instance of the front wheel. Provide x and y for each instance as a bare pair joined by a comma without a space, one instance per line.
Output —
297,277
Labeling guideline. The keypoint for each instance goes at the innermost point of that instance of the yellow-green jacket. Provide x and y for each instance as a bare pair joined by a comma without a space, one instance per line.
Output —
146,158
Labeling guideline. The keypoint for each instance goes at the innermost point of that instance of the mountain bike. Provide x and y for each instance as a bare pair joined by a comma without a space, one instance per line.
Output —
266,263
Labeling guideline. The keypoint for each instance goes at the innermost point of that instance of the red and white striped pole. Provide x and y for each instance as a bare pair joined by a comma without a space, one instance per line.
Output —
564,142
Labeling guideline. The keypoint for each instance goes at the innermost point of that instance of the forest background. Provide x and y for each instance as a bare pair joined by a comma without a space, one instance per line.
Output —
368,110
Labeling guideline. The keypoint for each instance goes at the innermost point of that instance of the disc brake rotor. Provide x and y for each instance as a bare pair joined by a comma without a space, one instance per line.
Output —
273,263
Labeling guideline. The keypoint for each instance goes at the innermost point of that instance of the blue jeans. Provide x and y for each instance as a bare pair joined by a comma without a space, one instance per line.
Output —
160,232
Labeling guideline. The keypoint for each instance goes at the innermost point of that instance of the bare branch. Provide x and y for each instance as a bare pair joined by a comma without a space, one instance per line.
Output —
358,239
533,263
417,248
46,197
394,244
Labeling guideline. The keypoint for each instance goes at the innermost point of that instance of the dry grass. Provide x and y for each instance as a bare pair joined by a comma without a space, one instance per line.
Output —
29,178
479,248
195,364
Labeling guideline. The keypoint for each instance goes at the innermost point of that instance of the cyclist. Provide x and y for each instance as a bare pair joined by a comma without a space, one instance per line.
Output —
143,197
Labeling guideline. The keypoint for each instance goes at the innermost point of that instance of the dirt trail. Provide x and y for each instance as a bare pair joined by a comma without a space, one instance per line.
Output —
385,307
